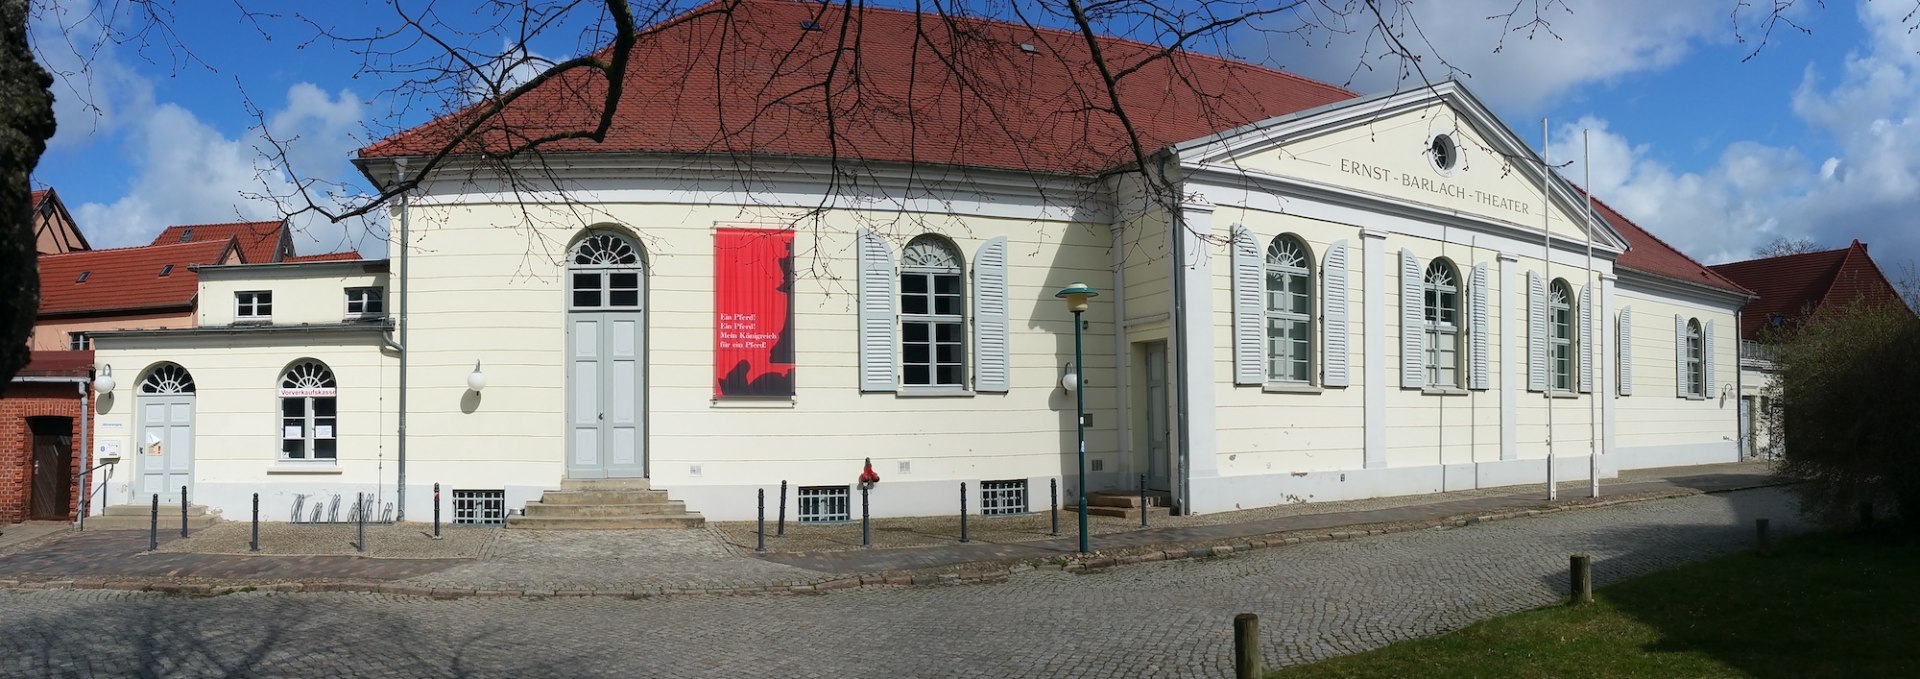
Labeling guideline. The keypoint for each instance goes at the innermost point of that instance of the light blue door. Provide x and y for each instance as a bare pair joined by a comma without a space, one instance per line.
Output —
1159,459
164,445
606,360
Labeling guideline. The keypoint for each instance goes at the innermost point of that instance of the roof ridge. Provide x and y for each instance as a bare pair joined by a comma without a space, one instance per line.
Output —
129,248
1636,225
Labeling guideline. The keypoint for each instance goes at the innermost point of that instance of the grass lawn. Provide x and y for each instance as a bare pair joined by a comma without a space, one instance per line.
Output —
1819,606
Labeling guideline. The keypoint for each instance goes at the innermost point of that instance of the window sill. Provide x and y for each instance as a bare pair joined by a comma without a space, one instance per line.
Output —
1563,394
1443,391
934,392
285,467
1695,397
762,402
1289,388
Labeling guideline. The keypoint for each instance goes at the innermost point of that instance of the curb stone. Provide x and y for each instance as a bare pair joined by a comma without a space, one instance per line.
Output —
986,573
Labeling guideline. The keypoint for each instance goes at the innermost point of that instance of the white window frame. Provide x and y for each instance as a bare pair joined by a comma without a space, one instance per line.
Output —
304,386
79,341
365,296
1288,268
932,259
1560,357
1696,359
253,306
607,265
1438,284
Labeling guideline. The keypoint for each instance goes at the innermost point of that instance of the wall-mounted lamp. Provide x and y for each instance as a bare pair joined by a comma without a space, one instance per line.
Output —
104,383
1070,380
476,380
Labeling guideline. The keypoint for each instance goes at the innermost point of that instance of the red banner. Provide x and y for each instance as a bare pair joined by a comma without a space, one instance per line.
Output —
752,313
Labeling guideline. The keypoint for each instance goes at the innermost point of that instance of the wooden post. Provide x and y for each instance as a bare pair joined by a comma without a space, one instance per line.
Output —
1580,569
1760,536
1246,646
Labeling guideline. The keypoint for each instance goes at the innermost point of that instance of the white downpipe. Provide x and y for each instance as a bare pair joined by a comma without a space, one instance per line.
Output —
1546,254
1599,337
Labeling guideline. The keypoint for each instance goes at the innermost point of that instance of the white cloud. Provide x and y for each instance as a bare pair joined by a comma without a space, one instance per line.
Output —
95,91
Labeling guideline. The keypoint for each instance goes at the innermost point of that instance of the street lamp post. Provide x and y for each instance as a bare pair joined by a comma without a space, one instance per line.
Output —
1076,296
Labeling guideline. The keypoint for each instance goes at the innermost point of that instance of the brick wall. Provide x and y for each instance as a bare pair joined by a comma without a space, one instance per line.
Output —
22,401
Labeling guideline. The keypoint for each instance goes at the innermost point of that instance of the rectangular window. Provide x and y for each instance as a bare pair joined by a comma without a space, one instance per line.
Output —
480,507
1289,327
1443,355
78,341
1562,347
932,330
256,305
824,504
1001,498
308,428
366,302
1696,370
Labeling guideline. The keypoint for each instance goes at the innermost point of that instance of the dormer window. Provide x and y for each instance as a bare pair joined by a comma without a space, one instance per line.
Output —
186,235
166,270
82,278
254,306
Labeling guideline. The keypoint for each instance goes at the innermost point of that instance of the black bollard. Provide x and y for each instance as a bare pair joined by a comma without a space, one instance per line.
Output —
1143,500
1053,504
1246,646
436,511
866,523
760,525
254,546
360,507
963,511
183,511
153,531
780,530
1764,542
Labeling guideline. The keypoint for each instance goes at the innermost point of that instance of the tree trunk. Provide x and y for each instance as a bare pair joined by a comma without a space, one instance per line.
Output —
26,122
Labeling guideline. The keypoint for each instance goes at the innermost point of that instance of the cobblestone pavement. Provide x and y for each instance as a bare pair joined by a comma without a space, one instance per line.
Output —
118,554
612,560
1315,600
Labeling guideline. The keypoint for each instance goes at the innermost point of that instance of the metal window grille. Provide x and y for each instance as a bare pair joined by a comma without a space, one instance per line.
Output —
1000,498
825,504
480,507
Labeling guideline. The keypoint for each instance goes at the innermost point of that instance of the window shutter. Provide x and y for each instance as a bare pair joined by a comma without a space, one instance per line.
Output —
1586,340
1626,351
1680,355
876,314
1706,359
1413,370
1536,333
1477,329
1249,317
1333,316
992,369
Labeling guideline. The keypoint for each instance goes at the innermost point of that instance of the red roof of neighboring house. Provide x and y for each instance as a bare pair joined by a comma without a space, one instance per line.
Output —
34,200
58,364
260,242
1791,286
1039,111
323,257
1649,255
125,279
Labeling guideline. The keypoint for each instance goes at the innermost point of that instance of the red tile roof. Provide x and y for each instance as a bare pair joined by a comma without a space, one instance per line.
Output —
1791,286
260,242
1037,111
58,364
323,257
125,279
1649,255
34,200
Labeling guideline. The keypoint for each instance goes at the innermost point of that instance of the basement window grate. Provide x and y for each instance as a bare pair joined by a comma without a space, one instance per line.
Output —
480,507
1002,498
825,504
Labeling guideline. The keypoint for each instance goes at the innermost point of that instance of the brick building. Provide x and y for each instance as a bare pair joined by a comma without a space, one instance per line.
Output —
41,437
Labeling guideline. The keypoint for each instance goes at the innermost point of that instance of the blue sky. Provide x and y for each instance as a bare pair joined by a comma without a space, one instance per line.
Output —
1818,136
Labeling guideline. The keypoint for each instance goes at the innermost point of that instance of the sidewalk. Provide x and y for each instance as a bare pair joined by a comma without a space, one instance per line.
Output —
490,562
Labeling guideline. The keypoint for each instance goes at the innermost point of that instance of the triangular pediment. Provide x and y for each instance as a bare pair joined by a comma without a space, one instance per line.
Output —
1382,148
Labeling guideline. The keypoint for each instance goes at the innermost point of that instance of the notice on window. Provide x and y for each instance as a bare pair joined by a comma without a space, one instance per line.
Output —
753,313
292,433
322,431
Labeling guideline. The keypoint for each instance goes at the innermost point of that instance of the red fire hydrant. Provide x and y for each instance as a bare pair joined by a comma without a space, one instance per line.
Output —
868,477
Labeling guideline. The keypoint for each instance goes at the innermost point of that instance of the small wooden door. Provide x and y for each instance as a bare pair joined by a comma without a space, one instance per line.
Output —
1159,453
52,493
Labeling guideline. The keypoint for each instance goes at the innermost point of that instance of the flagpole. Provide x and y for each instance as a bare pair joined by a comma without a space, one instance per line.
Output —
1546,253
1594,395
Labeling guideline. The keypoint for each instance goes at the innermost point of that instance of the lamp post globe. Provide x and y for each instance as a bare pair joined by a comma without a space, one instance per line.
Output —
1076,296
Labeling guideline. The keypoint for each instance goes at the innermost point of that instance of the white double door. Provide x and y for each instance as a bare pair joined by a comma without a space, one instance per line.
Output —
165,445
606,395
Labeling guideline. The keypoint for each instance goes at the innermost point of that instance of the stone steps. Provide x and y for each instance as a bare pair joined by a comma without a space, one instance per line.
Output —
606,522
605,504
1123,512
139,517
618,497
601,485
665,507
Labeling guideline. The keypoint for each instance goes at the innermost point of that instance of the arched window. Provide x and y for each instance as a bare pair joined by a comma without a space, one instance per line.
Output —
1560,333
167,378
1696,360
1442,287
603,273
309,413
933,314
1289,268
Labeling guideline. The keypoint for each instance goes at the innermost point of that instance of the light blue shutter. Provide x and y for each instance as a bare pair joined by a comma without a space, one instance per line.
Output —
1680,355
1586,340
1477,327
1333,317
876,314
1706,359
1413,370
1626,351
1249,317
1536,333
992,361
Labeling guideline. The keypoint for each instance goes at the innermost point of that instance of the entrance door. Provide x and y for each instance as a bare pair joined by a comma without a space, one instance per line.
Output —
165,444
606,368
1158,458
52,467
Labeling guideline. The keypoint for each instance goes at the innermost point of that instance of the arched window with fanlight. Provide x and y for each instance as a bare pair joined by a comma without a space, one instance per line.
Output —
1441,307
603,273
933,314
1289,310
1560,334
309,412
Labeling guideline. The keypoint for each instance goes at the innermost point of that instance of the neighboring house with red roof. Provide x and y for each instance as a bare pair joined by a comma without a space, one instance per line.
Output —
153,286
41,440
53,228
1331,296
259,242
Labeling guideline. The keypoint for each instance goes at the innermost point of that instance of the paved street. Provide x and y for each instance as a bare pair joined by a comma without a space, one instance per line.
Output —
1165,619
